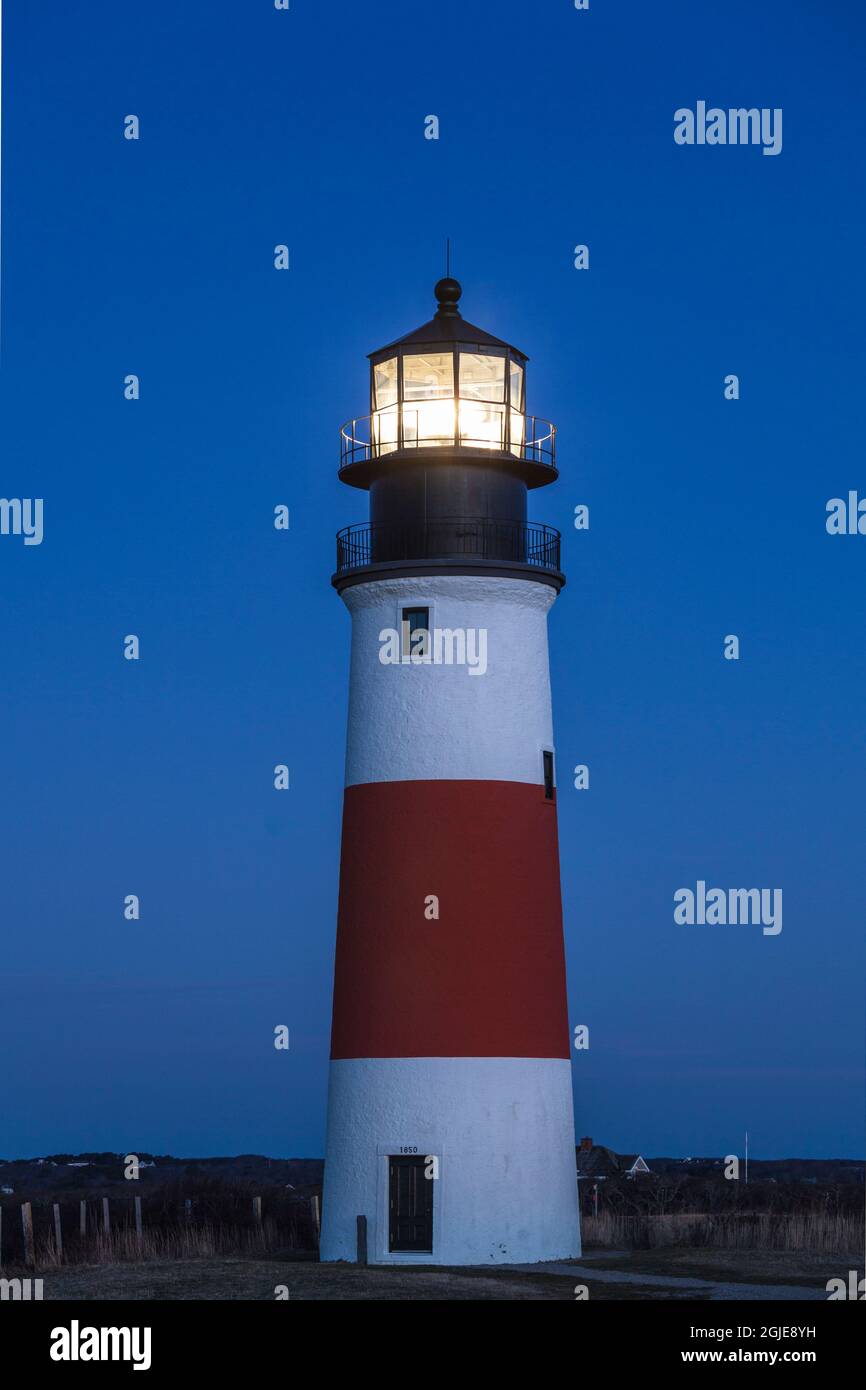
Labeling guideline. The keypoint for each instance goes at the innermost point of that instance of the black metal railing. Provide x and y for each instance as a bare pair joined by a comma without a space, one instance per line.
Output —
391,431
473,538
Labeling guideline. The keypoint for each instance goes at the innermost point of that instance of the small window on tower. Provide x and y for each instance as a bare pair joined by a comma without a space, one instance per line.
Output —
417,618
414,620
547,758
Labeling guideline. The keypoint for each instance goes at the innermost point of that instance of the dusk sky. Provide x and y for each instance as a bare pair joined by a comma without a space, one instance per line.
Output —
260,127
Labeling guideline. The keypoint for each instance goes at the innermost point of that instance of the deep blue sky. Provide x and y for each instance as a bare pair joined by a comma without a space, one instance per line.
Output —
707,517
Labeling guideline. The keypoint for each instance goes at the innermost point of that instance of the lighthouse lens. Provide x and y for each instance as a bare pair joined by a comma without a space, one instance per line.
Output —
482,394
417,403
482,376
515,383
385,430
384,437
428,376
481,425
428,399
518,432
385,384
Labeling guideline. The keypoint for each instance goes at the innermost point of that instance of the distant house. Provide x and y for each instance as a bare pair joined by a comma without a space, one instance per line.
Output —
598,1162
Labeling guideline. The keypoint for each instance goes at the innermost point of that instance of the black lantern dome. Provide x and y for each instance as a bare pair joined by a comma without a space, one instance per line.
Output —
448,442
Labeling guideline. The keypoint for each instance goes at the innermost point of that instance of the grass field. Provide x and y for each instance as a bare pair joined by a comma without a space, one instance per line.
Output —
236,1277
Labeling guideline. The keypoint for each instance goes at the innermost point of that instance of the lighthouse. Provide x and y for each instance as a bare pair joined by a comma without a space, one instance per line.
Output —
450,1121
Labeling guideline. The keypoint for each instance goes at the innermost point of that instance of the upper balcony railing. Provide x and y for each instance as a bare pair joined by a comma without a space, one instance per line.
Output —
448,538
439,425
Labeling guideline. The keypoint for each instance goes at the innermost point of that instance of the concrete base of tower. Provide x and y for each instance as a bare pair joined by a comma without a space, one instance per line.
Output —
501,1132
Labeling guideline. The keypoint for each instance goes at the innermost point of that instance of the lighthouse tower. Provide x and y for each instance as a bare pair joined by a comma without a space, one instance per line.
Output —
450,1124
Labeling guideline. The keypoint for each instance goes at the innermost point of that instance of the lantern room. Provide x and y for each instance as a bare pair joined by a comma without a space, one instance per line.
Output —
467,393
448,456
448,385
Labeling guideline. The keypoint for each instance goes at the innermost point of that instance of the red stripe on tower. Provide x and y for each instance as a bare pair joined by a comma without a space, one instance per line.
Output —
448,987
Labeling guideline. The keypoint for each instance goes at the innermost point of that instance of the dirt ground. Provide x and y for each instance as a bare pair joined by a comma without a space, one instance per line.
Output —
238,1277
257,1279
734,1266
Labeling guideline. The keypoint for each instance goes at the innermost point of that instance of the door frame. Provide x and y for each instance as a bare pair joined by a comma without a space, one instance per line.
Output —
379,1244
418,1190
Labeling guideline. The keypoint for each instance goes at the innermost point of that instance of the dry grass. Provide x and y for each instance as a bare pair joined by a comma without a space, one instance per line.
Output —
814,1232
169,1243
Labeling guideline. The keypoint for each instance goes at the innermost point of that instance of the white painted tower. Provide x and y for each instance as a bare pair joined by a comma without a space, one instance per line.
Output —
450,1125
